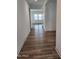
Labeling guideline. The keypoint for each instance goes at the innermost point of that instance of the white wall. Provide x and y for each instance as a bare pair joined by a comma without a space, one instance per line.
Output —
58,28
44,18
50,15
23,24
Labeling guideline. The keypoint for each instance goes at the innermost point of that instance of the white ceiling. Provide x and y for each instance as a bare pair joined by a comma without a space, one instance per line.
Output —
36,5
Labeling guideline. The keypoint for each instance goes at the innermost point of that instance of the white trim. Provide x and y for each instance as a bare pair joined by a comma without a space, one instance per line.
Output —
45,3
57,52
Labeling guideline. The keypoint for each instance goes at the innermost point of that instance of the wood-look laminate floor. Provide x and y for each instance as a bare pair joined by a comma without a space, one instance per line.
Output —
39,45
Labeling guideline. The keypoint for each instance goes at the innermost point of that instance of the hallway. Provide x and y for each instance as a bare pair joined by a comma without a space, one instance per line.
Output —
39,45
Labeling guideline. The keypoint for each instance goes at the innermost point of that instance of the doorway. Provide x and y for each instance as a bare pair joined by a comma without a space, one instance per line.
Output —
37,19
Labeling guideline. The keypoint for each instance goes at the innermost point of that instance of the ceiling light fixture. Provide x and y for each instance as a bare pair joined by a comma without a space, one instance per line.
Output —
35,0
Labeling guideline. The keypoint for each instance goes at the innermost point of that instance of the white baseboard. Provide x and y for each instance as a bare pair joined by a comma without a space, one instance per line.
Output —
57,52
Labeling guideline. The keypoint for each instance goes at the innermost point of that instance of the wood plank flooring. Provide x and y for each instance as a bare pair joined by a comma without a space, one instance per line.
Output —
39,45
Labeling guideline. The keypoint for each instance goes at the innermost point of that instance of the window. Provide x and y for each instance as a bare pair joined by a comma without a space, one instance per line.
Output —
35,17
38,16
